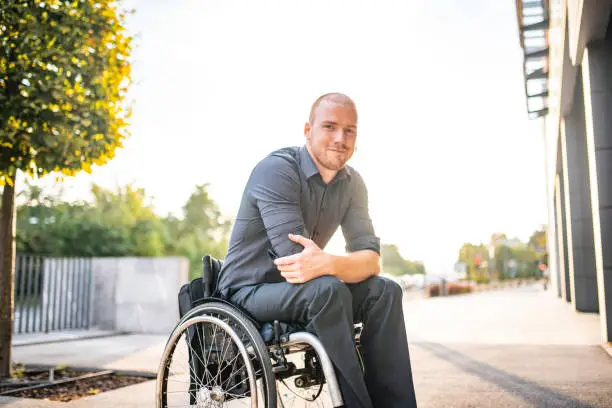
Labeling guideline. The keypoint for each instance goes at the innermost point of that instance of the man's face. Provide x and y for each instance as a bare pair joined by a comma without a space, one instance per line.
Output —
332,134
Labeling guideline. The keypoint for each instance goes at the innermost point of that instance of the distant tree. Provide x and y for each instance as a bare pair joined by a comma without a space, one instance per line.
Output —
202,230
510,255
117,223
129,212
527,260
474,256
395,264
538,241
120,223
392,261
498,237
415,268
64,73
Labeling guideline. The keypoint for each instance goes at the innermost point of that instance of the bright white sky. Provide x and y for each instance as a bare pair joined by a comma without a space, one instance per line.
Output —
444,142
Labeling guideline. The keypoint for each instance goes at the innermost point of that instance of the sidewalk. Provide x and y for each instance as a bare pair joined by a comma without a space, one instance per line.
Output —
30,339
510,348
137,352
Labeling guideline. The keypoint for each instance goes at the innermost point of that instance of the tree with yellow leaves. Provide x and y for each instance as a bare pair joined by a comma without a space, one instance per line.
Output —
64,74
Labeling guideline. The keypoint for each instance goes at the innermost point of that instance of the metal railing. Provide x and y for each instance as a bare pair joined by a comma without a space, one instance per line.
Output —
52,294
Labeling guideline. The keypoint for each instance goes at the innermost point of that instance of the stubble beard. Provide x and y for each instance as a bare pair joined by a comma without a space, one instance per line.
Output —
331,163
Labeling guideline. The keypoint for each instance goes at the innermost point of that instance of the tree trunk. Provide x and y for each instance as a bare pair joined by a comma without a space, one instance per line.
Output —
7,276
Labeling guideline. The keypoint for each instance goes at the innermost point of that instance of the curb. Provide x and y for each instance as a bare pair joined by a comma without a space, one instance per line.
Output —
137,373
59,339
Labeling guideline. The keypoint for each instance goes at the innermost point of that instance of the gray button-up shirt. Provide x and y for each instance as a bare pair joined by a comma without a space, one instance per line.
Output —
286,194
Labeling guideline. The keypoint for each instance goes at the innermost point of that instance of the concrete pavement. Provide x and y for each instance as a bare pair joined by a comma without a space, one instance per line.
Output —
139,352
523,315
511,348
30,339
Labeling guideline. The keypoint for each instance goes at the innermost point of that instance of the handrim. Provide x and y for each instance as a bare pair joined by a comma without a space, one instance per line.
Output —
169,351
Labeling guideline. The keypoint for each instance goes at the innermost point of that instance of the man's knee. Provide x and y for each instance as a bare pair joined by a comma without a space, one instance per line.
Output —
331,286
394,289
327,290
385,287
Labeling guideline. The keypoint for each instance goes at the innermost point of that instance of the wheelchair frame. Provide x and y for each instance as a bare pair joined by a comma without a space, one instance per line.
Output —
283,344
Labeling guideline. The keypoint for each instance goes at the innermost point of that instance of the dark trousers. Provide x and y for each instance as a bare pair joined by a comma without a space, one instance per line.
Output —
329,308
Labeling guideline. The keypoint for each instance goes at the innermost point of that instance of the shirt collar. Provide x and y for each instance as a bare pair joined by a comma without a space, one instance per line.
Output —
310,168
307,164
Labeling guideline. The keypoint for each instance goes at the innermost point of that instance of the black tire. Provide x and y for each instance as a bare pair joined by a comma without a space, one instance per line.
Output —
242,328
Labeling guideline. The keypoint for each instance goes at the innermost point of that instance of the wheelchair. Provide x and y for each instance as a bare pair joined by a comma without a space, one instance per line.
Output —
220,356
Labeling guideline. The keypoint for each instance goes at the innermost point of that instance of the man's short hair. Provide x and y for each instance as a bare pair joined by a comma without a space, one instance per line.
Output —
331,97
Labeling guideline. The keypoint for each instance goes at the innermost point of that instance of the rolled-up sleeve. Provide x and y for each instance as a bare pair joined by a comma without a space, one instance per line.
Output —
275,189
357,225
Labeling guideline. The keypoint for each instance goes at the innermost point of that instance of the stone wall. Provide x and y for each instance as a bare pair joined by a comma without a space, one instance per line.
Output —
137,295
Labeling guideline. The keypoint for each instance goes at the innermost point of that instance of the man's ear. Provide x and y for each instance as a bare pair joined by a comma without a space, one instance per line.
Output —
307,130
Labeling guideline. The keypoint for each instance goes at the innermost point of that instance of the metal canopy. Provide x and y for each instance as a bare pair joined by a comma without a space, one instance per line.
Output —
533,24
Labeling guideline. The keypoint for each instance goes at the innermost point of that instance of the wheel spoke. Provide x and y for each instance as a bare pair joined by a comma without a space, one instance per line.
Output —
226,366
289,395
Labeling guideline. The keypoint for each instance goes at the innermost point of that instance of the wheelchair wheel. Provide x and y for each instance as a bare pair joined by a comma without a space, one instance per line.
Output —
215,357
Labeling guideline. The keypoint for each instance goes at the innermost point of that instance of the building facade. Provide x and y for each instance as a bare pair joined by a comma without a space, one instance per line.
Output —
568,84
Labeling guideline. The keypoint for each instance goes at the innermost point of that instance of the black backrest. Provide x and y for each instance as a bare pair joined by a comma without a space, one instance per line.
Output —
202,287
211,268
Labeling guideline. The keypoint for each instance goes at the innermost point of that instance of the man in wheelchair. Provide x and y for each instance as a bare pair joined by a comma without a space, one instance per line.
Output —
276,269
